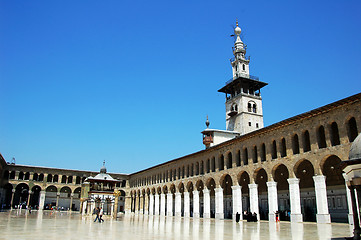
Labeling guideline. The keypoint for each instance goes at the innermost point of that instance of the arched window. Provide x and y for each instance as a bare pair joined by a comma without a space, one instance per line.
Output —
70,179
249,107
35,177
221,162
41,177
255,154
78,180
244,67
197,168
321,139
208,168
335,137
295,144
49,178
283,148
306,141
21,176
63,179
202,168
263,152
12,175
274,149
27,176
245,156
254,108
55,178
352,129
229,160
238,157
213,164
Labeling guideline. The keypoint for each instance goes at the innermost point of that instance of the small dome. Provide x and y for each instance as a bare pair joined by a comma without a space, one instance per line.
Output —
355,151
103,170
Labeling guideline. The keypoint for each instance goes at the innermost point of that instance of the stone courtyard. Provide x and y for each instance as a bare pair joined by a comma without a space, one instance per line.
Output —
17,224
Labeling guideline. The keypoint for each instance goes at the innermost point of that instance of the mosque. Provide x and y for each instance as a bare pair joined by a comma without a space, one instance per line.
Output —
292,167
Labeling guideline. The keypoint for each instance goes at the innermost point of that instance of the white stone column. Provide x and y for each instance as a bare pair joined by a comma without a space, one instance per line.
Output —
156,204
349,202
162,204
253,199
186,204
178,204
322,215
84,209
237,201
42,200
169,204
195,204
151,204
219,203
206,204
272,200
295,200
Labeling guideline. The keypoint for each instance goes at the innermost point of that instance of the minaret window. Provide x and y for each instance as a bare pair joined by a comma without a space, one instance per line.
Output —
254,108
244,67
249,107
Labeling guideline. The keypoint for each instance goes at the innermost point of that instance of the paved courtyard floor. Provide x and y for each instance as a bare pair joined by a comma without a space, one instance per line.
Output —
62,225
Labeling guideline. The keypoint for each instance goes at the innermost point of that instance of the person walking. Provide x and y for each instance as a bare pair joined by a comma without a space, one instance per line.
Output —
96,212
238,216
101,215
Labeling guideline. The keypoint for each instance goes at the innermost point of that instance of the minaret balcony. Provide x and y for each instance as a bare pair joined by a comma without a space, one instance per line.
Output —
207,140
232,113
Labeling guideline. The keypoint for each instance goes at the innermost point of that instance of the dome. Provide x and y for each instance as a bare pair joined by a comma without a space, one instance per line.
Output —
103,170
355,151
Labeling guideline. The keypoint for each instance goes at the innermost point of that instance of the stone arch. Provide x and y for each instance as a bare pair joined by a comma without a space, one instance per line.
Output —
165,189
21,194
226,183
181,187
34,196
243,181
330,167
280,175
261,178
8,193
172,188
304,171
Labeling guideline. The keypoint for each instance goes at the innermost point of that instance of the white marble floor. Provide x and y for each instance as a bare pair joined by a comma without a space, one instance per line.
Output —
59,225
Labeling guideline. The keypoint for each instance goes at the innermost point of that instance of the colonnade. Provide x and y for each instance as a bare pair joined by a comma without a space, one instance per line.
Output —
161,203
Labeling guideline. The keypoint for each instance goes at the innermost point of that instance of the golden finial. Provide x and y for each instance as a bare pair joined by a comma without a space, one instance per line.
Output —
237,22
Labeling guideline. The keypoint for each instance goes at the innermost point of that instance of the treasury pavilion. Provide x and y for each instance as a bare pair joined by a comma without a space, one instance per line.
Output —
295,167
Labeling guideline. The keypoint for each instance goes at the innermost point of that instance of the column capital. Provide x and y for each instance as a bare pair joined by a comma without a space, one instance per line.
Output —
219,189
205,190
319,178
236,187
293,180
195,191
169,194
252,185
271,184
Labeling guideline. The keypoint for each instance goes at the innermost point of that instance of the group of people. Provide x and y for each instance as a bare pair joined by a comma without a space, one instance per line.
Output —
250,217
98,211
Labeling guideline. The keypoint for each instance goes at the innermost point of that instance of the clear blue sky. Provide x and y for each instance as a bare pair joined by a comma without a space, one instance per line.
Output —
131,82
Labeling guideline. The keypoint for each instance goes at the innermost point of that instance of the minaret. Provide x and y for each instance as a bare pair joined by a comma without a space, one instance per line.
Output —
243,96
